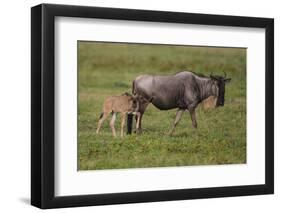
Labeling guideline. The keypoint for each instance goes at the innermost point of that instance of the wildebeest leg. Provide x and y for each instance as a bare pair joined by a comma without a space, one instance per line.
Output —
193,117
101,120
129,123
122,123
141,111
112,124
138,118
176,121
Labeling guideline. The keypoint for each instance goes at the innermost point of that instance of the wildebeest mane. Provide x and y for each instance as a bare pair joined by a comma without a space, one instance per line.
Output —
195,73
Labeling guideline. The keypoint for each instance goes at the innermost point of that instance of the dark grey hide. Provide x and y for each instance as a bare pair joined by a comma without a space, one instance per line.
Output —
184,90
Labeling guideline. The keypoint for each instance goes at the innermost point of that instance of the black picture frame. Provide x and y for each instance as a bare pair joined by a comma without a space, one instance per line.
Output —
43,105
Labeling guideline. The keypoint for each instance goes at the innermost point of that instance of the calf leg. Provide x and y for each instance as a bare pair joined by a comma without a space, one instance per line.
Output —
176,121
112,124
122,123
101,120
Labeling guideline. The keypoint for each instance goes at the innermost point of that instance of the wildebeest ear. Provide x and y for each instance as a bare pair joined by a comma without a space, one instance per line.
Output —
227,80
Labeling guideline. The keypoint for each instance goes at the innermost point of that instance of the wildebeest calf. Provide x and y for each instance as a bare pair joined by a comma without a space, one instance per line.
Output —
209,103
124,104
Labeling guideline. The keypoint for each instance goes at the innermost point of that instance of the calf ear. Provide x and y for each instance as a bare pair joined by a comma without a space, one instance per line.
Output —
227,80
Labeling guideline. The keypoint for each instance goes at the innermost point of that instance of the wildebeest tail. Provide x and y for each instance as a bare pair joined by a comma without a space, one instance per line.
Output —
101,115
133,87
129,123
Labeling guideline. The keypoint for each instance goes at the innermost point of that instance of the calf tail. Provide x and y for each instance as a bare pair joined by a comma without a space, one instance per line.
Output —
129,123
101,115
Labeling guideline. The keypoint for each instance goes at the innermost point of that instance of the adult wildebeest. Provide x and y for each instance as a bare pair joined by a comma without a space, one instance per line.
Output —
184,90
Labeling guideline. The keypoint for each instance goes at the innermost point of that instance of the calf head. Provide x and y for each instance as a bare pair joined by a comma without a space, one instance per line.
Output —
135,104
139,102
220,82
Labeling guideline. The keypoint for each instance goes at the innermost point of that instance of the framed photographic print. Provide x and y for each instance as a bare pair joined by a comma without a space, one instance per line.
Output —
139,106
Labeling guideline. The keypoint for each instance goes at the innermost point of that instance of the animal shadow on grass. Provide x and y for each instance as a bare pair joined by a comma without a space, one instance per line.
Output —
179,135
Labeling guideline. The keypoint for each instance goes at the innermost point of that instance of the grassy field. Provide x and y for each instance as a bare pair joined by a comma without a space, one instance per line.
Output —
107,69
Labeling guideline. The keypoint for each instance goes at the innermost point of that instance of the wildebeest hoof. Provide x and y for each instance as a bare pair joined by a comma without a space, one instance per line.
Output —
138,131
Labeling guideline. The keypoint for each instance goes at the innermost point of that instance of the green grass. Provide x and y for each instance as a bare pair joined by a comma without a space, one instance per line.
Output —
107,69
